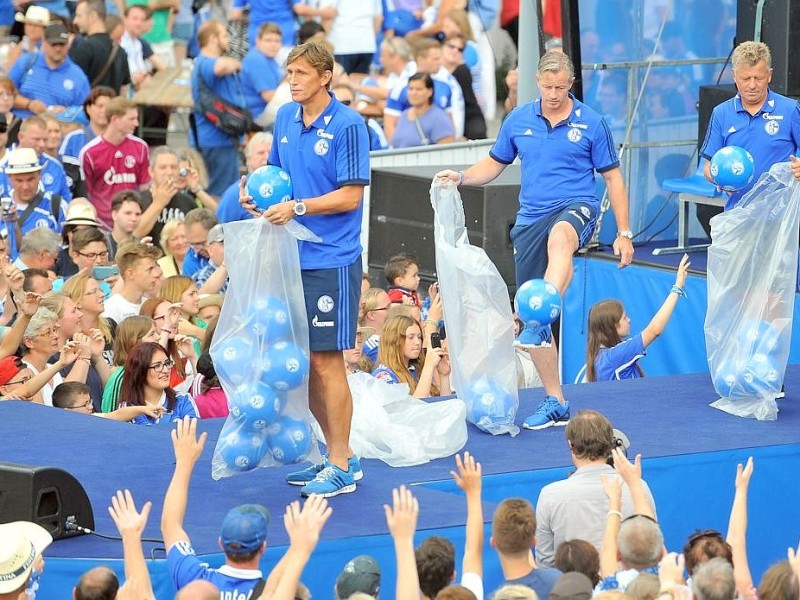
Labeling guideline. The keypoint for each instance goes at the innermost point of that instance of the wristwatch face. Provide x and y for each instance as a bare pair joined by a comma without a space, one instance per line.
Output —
299,208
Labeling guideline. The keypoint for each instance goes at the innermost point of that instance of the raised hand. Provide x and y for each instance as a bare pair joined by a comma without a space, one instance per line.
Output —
630,472
123,511
612,487
401,517
30,304
304,525
468,477
188,447
683,269
743,475
670,569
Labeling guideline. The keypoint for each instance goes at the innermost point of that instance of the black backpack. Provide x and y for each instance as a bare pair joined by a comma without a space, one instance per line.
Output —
225,116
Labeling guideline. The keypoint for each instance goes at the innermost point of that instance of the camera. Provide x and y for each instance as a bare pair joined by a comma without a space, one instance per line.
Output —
183,172
6,204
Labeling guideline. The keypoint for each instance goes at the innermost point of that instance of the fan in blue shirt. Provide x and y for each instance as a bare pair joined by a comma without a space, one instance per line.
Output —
561,144
261,72
611,353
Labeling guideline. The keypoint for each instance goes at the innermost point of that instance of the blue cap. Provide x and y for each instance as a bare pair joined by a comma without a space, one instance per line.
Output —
244,528
73,114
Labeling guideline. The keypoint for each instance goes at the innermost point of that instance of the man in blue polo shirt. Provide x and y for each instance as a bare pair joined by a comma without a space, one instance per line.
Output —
561,142
220,73
324,146
49,80
757,119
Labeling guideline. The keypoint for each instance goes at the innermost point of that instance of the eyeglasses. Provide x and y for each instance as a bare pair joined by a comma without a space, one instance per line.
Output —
383,308
346,102
88,405
20,381
55,331
3,128
93,292
160,367
454,47
197,245
94,255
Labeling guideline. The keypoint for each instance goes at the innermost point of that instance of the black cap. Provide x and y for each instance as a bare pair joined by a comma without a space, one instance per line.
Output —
56,33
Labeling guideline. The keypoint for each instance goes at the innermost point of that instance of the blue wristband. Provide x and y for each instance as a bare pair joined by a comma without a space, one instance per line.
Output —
678,290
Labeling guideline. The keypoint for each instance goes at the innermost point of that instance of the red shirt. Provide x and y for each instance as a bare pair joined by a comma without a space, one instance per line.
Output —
107,169
397,294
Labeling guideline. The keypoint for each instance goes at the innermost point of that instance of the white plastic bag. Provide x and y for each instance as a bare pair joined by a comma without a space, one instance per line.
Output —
260,351
480,325
752,268
392,426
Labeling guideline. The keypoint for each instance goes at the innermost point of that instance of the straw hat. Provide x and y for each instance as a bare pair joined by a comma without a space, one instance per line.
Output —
22,160
35,15
20,543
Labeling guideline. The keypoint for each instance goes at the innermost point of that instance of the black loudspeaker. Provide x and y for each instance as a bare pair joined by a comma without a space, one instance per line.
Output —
711,96
780,30
401,217
43,495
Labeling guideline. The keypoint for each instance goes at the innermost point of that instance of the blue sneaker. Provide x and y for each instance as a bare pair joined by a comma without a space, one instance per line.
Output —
550,412
308,474
330,481
535,337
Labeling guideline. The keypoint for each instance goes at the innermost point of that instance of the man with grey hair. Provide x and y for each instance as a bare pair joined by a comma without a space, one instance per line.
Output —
255,155
757,119
561,142
639,548
199,222
713,580
39,250
164,201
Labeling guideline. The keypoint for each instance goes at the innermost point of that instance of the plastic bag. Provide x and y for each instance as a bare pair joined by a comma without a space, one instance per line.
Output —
260,351
480,325
392,426
752,266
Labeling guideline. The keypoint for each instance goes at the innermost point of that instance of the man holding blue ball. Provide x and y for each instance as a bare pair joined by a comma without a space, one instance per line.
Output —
757,119
561,142
324,147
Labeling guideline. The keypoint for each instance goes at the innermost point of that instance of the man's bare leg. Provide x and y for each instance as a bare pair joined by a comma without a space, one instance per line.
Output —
331,404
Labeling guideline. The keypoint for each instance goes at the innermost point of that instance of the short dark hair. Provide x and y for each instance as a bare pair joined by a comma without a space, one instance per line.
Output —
83,237
29,275
269,27
426,79
590,435
436,563
148,12
397,266
241,557
96,6
124,196
703,546
514,526
579,556
100,583
65,393
99,91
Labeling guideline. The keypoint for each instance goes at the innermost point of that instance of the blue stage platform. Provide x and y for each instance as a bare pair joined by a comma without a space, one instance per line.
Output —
690,455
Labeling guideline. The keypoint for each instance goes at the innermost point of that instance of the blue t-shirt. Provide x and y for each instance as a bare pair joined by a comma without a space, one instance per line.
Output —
330,153
6,13
558,163
229,209
435,124
260,73
73,143
52,179
57,7
387,375
397,101
771,135
184,407
66,85
371,346
277,11
192,262
619,362
185,567
226,87
541,580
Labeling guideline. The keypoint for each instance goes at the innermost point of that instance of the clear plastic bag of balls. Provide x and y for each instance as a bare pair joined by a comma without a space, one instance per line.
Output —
477,313
752,276
260,352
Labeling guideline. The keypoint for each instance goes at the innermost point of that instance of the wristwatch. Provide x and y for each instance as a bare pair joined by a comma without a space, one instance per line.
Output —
300,208
625,233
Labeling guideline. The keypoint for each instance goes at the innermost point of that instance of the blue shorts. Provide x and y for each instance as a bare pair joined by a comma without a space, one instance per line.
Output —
332,297
530,240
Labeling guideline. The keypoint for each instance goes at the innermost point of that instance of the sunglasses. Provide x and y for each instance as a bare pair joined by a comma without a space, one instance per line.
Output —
699,535
648,517
346,102
455,47
3,127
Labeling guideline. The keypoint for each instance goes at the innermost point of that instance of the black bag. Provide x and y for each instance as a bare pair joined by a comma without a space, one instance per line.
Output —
225,116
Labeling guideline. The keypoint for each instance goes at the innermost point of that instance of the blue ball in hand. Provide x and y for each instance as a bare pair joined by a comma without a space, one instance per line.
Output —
269,185
732,168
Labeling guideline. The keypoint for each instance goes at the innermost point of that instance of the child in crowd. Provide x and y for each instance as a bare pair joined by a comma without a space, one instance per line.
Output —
401,360
608,357
75,396
355,361
402,273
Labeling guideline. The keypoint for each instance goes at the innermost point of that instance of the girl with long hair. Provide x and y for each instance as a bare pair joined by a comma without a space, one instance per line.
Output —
612,353
87,293
147,373
182,349
180,289
401,359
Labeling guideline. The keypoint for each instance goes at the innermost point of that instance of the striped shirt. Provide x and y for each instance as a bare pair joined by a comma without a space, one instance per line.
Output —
65,85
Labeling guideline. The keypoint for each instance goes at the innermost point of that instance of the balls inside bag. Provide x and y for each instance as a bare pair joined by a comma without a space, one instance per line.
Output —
233,358
284,367
537,303
289,440
268,317
269,185
256,406
732,168
488,403
242,450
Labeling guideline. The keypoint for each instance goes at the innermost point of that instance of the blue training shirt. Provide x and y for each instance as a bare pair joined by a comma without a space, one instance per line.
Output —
66,85
184,407
279,12
619,362
558,163
226,87
192,262
185,567
51,179
771,135
330,153
229,209
259,73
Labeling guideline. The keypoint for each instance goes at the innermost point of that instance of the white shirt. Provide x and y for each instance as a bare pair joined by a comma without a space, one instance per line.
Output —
119,309
353,29
47,388
133,48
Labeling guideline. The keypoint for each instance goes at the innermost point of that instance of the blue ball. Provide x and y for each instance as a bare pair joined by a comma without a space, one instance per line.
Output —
269,185
242,450
732,168
489,404
763,374
285,366
289,440
256,406
269,318
757,336
727,378
233,360
537,303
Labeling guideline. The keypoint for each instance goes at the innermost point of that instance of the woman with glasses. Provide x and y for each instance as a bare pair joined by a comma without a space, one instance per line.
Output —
147,374
182,349
19,382
42,341
372,312
175,245
129,333
88,294
453,60
83,244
